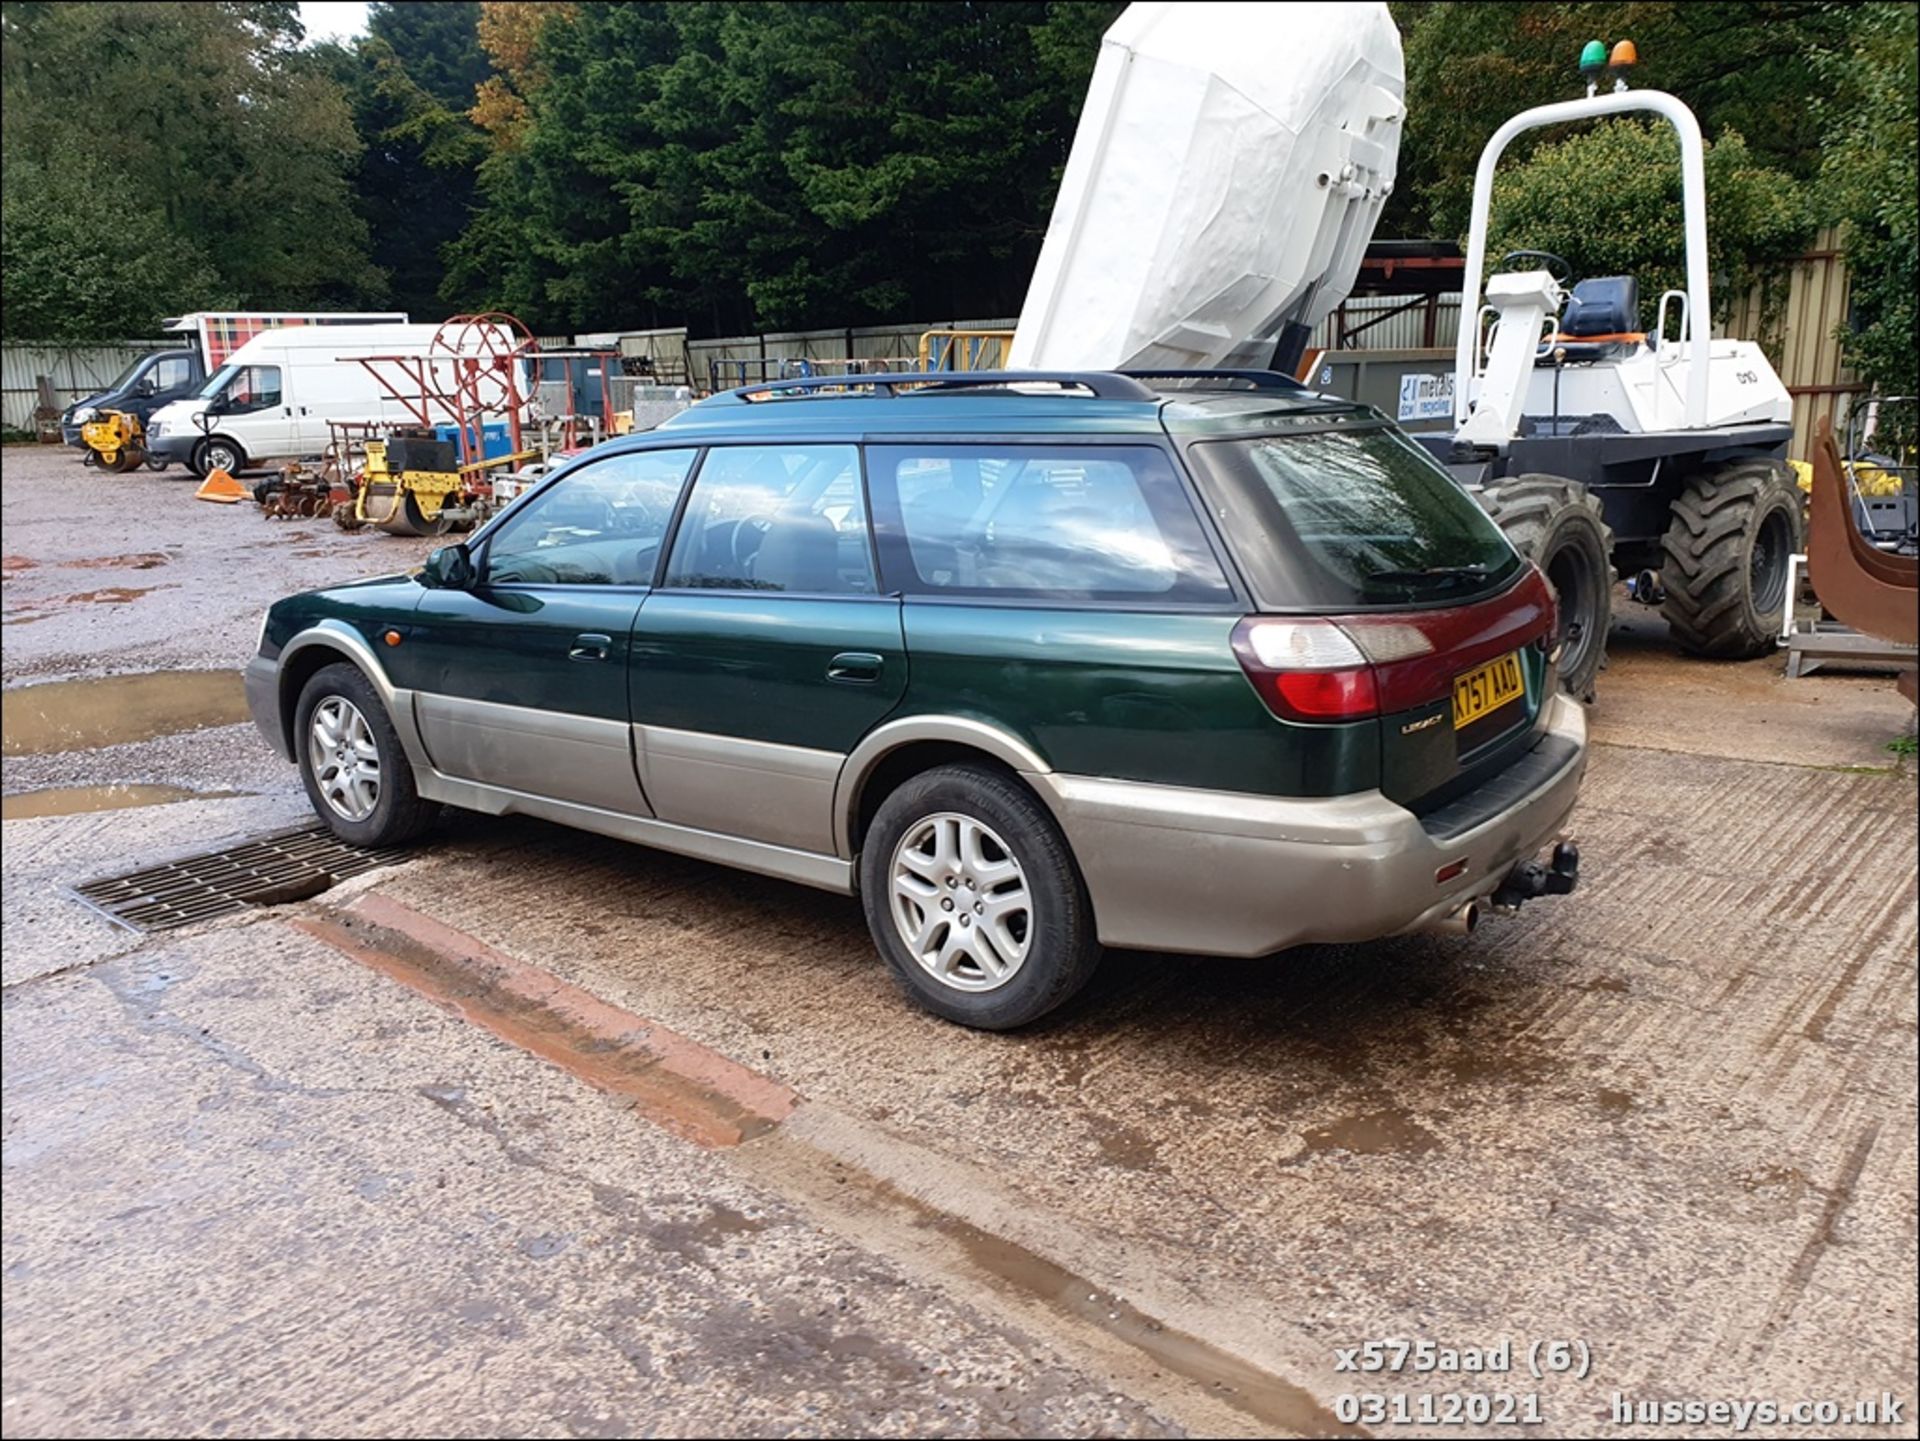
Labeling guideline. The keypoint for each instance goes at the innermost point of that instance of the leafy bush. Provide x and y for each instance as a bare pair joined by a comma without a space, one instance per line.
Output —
84,261
1867,180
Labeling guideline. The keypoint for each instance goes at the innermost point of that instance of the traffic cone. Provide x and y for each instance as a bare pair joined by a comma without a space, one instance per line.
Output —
221,488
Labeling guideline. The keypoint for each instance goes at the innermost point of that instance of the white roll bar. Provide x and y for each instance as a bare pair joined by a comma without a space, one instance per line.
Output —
1693,193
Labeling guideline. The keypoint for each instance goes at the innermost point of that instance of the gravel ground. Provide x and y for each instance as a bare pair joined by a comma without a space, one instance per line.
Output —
256,1187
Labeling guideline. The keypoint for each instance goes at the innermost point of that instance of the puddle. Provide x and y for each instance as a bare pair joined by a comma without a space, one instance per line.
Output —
23,619
1614,1103
1495,1065
112,595
12,564
82,800
1611,984
1124,1146
1373,1134
695,1093
70,715
144,560
1277,1403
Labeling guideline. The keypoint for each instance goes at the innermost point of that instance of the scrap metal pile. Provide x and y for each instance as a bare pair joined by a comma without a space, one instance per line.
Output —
467,403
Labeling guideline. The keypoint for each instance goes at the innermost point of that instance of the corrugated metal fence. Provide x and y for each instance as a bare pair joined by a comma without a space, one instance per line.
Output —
738,359
1390,322
1797,333
76,370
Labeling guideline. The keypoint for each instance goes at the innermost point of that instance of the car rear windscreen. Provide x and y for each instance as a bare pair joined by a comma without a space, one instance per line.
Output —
1343,518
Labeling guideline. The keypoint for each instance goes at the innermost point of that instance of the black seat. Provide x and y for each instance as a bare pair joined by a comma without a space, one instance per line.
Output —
800,553
1602,318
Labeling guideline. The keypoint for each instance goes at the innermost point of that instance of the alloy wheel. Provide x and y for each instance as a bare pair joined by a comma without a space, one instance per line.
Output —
961,903
344,757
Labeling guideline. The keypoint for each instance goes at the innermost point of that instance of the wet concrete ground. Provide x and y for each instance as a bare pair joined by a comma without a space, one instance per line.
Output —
258,1179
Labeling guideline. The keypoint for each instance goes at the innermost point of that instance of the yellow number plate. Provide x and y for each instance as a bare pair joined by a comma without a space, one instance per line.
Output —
1486,688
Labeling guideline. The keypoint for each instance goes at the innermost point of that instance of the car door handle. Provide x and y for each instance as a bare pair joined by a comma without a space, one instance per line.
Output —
590,647
855,667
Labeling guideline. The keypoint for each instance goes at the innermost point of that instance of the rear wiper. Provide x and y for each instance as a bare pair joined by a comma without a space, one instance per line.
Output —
1438,574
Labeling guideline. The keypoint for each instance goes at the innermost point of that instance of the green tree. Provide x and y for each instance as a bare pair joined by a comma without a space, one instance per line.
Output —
1470,66
1867,181
80,264
439,44
778,165
202,123
409,85
1607,200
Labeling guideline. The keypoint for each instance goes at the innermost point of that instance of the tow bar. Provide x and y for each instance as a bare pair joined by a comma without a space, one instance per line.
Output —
1530,880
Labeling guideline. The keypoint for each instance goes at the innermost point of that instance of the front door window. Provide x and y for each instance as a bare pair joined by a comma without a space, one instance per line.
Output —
253,388
599,525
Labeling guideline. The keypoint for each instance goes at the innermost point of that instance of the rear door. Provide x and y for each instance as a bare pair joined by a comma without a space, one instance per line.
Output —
521,681
769,650
1065,592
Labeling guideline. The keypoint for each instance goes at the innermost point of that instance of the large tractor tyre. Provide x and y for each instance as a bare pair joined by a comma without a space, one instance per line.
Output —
1727,547
1557,524
217,453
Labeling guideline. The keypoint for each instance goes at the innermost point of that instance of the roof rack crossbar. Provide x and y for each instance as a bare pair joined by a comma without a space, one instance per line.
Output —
1255,379
1100,384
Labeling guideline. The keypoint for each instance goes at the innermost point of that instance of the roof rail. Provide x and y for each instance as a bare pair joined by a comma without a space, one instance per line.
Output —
1100,384
1250,379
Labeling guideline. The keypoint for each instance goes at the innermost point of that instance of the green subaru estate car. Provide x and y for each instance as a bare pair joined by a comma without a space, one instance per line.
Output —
1032,663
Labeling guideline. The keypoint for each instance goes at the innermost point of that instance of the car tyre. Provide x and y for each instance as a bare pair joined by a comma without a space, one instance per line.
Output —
217,453
974,899
351,761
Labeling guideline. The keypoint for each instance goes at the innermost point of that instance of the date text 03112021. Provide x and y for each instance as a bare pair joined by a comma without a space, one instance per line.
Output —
1539,1358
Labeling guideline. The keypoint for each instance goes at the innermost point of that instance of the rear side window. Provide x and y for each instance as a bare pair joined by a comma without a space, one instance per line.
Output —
1090,523
1350,519
776,517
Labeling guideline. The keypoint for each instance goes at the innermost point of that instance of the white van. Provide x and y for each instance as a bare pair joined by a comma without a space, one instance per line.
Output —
274,396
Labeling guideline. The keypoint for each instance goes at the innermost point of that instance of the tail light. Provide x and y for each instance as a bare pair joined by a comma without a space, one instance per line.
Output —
1306,670
1370,664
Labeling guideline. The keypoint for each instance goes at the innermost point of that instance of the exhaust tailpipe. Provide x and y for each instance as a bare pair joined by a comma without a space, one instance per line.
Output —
1457,923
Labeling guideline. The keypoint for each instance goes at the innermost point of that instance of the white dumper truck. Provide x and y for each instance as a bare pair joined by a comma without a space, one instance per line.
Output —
1229,168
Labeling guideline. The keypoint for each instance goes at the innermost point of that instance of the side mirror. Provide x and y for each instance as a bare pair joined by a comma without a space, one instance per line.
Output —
450,567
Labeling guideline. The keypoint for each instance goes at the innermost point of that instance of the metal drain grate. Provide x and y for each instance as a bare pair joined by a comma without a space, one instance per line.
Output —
270,870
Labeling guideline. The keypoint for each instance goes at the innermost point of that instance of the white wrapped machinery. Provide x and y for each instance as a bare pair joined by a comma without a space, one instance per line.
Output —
1226,176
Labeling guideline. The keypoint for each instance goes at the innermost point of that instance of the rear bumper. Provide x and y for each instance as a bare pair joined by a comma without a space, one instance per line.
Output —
1230,874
